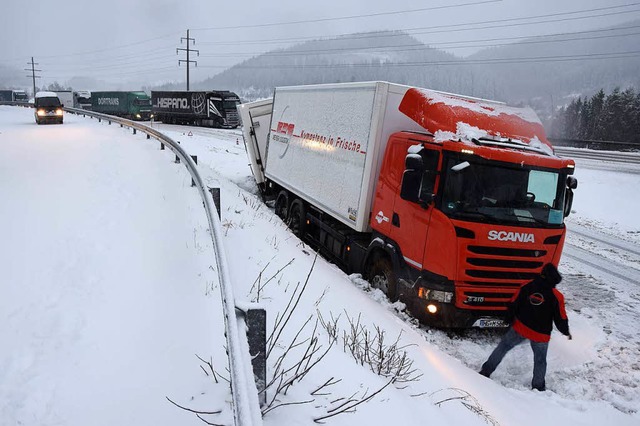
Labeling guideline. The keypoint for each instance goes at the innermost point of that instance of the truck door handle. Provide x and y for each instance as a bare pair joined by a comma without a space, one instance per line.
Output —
395,220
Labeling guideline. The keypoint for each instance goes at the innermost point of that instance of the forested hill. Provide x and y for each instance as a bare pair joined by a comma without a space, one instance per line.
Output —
567,66
545,72
390,56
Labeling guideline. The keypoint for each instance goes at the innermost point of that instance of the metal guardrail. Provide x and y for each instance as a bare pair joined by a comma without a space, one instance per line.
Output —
610,156
246,409
595,145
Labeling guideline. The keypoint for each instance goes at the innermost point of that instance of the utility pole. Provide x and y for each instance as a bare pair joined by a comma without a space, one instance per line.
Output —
188,50
33,74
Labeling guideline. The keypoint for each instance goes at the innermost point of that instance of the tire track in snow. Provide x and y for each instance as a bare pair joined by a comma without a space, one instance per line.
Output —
605,239
602,264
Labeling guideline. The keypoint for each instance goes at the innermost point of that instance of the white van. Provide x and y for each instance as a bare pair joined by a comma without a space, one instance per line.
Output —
48,108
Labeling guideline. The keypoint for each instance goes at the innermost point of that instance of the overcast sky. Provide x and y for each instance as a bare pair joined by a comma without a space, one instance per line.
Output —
123,40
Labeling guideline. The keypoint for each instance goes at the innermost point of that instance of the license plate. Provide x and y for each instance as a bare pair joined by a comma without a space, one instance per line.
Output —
490,323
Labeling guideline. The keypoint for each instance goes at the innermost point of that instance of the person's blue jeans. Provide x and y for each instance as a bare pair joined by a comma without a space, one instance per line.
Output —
508,342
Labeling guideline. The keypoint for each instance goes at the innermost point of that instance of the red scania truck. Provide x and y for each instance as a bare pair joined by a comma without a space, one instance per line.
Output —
446,202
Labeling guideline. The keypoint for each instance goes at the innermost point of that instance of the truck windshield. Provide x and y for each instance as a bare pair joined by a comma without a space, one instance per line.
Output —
142,102
230,104
479,190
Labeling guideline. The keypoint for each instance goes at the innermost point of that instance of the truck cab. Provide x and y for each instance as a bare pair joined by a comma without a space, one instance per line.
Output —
230,102
20,96
471,222
48,108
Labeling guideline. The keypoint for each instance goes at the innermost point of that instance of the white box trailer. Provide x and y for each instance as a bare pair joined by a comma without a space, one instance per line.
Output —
65,96
326,143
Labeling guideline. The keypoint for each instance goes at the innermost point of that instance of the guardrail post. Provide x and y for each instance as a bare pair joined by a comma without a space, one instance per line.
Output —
99,120
195,160
134,130
256,319
177,160
109,122
121,125
215,194
148,136
161,146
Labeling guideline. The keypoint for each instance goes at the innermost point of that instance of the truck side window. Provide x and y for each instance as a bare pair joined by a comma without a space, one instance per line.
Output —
430,161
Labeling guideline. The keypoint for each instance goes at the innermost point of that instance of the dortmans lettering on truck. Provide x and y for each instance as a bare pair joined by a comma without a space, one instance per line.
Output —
108,101
446,202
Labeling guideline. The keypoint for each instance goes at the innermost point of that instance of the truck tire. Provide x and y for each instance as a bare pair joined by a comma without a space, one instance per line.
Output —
281,205
297,218
380,274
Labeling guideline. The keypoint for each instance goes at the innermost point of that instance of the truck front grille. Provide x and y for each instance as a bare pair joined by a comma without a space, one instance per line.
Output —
493,275
233,119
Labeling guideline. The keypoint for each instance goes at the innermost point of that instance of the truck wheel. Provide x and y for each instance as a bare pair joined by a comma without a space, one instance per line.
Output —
380,274
297,218
281,206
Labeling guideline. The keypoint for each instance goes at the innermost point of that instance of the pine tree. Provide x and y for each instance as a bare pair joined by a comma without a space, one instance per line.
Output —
597,124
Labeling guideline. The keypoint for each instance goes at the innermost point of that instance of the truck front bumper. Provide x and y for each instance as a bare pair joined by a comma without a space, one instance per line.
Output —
433,303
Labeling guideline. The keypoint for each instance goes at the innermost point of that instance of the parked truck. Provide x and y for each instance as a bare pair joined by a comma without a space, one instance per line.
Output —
205,108
14,96
131,105
82,99
446,202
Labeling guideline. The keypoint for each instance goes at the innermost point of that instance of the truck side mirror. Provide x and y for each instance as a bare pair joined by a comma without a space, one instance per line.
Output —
412,178
572,183
568,202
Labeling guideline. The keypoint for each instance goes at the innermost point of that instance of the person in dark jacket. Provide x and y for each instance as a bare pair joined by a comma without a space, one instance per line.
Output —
538,305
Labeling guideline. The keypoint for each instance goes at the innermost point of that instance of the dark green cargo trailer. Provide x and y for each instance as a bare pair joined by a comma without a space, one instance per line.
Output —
131,105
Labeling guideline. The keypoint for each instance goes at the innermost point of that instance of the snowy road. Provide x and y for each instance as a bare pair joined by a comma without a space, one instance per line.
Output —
607,257
106,280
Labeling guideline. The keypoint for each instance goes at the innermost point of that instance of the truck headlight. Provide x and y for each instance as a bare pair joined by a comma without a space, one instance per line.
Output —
58,112
137,115
437,295
41,113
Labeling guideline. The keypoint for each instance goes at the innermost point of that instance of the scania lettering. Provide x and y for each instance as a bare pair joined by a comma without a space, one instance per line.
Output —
511,236
211,108
131,105
446,202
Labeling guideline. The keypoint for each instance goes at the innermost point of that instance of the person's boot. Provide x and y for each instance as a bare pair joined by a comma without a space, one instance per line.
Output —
539,387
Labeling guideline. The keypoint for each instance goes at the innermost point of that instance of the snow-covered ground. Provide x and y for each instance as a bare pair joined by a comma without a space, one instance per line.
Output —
108,278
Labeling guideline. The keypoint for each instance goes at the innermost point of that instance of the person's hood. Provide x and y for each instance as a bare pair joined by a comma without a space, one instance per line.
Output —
550,275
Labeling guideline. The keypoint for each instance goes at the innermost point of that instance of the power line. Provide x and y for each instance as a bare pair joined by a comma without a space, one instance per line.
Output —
187,49
33,74
446,28
557,58
423,46
342,18
106,49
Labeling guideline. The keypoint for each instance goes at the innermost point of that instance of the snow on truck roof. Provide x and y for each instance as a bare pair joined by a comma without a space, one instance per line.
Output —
450,116
46,95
